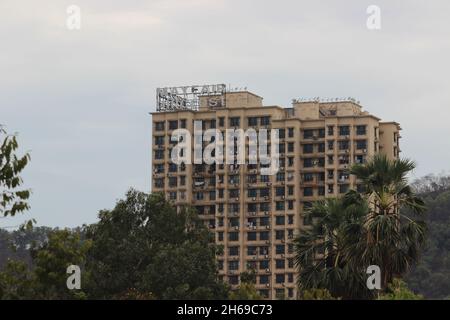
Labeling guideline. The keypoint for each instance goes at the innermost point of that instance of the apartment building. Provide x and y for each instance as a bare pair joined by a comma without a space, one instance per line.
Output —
253,216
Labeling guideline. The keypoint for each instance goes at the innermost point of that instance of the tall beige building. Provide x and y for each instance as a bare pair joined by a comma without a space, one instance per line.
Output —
255,217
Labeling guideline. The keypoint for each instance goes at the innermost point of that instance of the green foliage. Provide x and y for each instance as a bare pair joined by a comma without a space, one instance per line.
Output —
322,250
13,200
431,277
144,244
63,248
397,290
47,278
316,294
246,291
356,231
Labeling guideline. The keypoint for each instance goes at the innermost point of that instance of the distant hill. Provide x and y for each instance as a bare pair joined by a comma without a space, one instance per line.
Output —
431,277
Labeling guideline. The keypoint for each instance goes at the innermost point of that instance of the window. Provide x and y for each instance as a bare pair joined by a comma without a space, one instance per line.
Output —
330,145
321,147
360,130
264,221
279,234
280,249
265,121
308,134
344,145
251,193
251,251
233,251
183,123
173,182
308,192
264,251
308,163
290,161
279,220
221,121
159,183
159,140
361,144
344,130
321,133
173,124
159,126
173,167
291,190
252,121
281,133
264,235
233,265
290,132
280,191
280,264
321,191
235,121
290,219
343,188
330,130
279,278
290,205
233,236
307,177
264,279
233,280
279,205
308,148
290,147
251,236
220,236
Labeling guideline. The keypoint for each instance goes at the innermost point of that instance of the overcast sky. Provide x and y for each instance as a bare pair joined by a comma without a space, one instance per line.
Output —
80,99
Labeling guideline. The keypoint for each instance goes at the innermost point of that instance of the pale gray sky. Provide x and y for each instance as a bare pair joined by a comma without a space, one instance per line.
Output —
80,99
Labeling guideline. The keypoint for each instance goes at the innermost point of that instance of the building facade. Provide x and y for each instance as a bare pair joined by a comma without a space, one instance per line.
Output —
253,216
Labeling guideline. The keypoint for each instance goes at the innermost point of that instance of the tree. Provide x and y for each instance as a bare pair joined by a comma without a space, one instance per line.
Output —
389,238
50,261
12,200
397,290
322,249
246,290
356,231
47,277
146,247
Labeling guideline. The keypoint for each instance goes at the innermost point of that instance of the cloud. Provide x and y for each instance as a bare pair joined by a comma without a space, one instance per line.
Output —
80,99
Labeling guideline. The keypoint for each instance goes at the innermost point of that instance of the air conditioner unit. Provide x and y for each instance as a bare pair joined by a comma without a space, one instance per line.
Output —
267,270
254,257
267,285
282,255
266,198
282,240
236,228
266,256
267,227
237,199
283,197
254,227
267,242
253,213
282,183
266,213
254,199
269,183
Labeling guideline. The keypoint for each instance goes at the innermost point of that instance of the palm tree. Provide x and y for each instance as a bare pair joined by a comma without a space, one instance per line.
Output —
321,249
351,233
391,238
